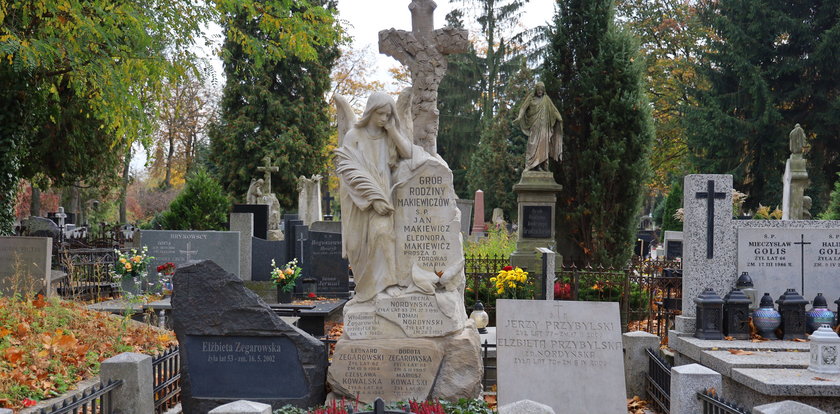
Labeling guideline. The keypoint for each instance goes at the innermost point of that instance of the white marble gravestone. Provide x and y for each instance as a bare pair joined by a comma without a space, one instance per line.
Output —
562,354
309,199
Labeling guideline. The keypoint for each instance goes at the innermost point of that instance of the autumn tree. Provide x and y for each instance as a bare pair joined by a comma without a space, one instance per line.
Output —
272,106
594,74
77,76
769,65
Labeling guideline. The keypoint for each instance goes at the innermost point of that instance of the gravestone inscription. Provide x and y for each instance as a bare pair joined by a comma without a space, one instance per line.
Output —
233,346
569,351
324,263
536,222
184,246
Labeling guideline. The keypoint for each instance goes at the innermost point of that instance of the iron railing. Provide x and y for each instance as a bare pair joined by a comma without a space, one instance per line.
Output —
712,404
658,381
478,270
88,273
96,399
485,359
166,372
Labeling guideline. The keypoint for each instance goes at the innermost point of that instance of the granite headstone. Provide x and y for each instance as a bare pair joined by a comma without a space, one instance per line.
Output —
324,263
25,264
184,246
262,253
260,212
233,346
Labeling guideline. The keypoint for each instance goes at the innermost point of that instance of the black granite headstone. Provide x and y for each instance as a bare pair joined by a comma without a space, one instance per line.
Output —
324,263
290,224
260,212
536,222
233,346
262,251
673,249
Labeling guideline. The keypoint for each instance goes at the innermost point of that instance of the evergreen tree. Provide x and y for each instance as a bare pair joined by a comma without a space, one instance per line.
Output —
274,108
202,205
770,64
832,212
672,203
594,74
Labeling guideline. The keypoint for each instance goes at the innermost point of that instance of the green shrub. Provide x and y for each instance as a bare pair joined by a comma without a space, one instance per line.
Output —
202,205
497,243
832,212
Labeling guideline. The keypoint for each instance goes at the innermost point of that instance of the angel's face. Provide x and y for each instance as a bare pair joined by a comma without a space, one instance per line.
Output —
381,116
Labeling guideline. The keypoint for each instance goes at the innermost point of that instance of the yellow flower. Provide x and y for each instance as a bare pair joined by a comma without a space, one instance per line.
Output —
281,276
511,284
289,271
136,259
500,291
122,259
128,267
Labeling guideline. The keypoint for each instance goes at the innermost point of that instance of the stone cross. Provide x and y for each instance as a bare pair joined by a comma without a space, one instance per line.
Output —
423,50
802,244
267,169
710,195
328,203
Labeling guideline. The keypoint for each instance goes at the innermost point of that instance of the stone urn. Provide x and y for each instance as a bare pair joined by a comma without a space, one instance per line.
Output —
819,314
766,319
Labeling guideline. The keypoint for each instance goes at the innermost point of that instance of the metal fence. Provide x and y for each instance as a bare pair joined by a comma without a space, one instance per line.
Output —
712,404
658,381
478,270
88,273
96,399
166,374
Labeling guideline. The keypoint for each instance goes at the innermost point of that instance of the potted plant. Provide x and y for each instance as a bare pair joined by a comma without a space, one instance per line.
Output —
284,278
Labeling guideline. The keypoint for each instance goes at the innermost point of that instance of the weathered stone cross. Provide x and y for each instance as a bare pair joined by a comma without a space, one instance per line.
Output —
710,195
423,50
267,170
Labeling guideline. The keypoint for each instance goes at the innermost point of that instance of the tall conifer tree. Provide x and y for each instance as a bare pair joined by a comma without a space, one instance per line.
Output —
770,65
594,74
274,108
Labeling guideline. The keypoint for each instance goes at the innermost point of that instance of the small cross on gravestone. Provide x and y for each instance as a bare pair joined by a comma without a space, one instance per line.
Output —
710,195
423,50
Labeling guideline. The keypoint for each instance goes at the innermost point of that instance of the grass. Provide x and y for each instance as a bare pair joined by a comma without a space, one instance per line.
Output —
47,346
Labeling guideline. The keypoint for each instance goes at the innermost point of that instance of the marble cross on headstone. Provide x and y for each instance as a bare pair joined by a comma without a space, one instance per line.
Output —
423,50
267,169
710,195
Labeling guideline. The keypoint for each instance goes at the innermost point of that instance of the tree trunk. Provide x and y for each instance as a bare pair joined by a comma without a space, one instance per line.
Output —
35,202
167,180
124,190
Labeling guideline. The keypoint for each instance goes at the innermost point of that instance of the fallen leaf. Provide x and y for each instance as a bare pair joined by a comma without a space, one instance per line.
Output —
13,355
711,391
728,338
799,340
821,379
39,302
22,329
739,352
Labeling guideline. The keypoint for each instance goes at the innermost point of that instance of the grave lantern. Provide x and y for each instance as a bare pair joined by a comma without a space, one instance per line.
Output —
310,286
825,347
745,283
792,308
736,314
766,319
480,317
709,315
819,314
837,314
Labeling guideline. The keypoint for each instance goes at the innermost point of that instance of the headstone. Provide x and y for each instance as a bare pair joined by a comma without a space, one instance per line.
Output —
498,219
673,244
570,353
478,221
301,242
291,223
260,212
710,249
466,207
309,199
244,224
326,226
805,257
25,264
233,346
325,263
185,246
40,227
262,253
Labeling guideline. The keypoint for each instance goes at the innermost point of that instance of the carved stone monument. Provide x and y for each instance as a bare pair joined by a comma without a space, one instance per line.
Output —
537,191
795,180
406,332
260,193
309,199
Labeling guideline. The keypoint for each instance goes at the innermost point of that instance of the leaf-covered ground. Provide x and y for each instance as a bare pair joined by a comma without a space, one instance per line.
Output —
47,346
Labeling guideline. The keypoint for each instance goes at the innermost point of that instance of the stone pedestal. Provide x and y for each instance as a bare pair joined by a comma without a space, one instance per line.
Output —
794,183
537,198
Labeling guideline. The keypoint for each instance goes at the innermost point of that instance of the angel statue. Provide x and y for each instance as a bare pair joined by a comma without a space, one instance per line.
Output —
540,120
368,154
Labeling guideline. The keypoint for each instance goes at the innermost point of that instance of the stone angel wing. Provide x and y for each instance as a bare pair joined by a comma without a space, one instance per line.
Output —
344,116
404,114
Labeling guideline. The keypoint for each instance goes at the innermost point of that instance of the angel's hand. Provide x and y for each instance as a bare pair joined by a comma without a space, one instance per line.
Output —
382,208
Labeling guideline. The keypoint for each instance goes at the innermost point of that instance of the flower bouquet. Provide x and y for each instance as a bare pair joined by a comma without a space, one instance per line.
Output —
284,278
131,270
165,272
513,283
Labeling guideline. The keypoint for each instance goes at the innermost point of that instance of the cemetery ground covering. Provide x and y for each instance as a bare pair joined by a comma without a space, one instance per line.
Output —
48,345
